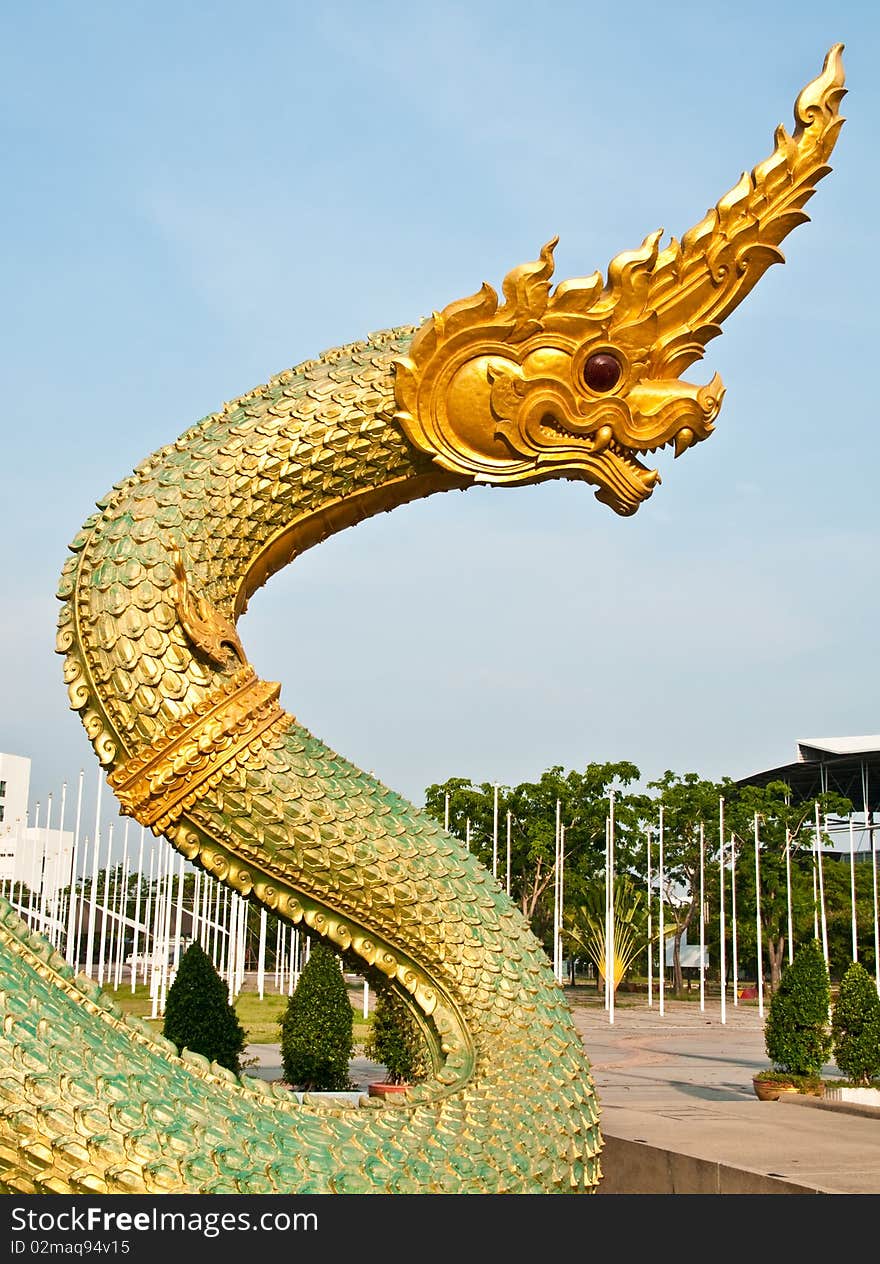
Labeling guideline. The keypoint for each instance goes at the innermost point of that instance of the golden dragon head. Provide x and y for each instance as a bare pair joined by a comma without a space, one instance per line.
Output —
581,382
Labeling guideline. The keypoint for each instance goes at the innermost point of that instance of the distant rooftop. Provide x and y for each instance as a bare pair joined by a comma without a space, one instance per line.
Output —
846,765
813,748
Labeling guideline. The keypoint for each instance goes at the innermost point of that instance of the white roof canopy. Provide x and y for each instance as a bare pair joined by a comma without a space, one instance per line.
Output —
812,748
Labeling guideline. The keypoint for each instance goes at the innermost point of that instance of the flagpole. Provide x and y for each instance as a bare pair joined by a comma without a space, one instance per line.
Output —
56,916
561,900
215,949
43,907
196,907
70,946
166,931
852,889
876,918
282,940
612,952
81,901
650,909
821,890
722,965
80,905
815,878
607,893
495,833
261,954
758,935
243,944
702,921
232,950
149,926
224,943
556,898
662,971
205,919
788,894
112,926
178,916
123,911
158,910
507,882
32,886
734,943
90,933
137,912
102,941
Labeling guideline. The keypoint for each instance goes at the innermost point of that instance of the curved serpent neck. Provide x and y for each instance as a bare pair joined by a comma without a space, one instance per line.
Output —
236,497
199,749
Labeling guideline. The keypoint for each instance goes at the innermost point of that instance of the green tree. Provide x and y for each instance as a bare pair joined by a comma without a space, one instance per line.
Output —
855,1026
198,1015
796,1032
395,1039
317,1026
583,799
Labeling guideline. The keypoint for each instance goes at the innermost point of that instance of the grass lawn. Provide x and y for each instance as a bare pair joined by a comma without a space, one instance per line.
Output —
260,1018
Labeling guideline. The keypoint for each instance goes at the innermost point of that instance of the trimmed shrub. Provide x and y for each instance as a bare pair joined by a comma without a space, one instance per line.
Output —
396,1040
198,1015
855,1026
317,1027
796,1034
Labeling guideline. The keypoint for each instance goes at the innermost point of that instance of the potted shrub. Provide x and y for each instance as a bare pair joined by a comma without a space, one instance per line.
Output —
396,1041
855,1033
198,1015
796,1034
317,1027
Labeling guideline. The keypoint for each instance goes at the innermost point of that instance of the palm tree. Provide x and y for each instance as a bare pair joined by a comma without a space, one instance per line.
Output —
585,927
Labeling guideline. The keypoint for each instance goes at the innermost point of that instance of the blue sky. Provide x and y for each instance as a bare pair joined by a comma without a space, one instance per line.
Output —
198,196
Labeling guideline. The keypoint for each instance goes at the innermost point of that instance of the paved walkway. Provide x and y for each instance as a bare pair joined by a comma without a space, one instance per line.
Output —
681,1082
679,1085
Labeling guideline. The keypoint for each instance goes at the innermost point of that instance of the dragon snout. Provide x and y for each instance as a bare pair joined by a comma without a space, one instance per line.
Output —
708,399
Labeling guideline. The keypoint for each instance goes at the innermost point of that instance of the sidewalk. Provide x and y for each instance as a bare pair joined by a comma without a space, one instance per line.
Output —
679,1114
678,1111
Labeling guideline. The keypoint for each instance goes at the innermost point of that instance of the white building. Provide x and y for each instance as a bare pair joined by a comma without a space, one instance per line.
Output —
32,852
15,776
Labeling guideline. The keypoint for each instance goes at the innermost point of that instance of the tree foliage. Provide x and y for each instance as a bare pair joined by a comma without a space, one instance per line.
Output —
789,852
855,1026
796,1031
198,1015
583,799
395,1039
317,1026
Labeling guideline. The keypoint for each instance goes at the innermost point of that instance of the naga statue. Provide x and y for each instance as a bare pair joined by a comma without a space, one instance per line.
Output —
578,382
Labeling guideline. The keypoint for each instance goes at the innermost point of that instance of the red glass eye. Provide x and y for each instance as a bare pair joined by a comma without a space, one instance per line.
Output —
602,372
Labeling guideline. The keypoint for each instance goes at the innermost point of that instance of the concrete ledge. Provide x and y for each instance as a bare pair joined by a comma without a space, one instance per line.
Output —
634,1167
844,1105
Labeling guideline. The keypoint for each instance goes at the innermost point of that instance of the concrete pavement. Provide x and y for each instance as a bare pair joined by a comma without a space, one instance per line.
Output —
678,1111
679,1114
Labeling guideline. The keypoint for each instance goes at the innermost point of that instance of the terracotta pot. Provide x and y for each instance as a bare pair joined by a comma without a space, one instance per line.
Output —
770,1090
382,1089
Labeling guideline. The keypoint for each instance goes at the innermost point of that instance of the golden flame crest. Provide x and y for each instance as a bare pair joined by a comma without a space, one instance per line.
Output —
577,383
